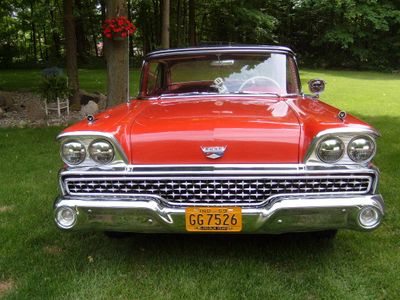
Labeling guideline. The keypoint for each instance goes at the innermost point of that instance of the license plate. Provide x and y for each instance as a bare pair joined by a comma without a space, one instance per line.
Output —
213,219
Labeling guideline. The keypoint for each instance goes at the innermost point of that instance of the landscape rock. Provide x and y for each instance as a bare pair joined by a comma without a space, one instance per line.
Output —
89,109
35,110
1,112
6,101
97,97
102,103
22,124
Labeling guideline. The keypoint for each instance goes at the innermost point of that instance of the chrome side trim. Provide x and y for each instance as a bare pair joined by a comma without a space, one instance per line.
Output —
120,155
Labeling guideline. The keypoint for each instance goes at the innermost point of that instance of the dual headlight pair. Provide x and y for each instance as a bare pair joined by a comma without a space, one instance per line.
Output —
360,149
100,151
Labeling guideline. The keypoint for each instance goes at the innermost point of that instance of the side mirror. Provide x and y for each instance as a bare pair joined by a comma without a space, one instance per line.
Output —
316,86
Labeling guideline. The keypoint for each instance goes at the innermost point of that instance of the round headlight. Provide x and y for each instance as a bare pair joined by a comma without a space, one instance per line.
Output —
361,149
101,151
330,150
73,152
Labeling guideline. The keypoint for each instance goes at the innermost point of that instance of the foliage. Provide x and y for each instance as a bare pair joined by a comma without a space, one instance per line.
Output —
325,33
54,85
351,33
88,265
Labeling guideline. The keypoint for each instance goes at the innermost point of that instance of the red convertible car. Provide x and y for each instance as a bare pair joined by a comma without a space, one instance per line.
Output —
220,139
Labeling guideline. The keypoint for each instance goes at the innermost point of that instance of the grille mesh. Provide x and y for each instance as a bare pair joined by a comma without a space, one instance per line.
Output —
217,190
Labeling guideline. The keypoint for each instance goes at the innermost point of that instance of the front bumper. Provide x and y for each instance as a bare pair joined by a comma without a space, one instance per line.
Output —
285,214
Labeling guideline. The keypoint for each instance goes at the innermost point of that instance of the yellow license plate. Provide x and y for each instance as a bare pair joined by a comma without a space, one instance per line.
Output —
213,219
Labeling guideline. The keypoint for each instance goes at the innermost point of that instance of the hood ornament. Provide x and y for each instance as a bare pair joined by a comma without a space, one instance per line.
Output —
214,152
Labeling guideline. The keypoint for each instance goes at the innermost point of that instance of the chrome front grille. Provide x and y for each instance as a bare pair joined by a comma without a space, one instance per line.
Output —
230,190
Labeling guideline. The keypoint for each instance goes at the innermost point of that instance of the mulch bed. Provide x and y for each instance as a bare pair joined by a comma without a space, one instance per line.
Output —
18,115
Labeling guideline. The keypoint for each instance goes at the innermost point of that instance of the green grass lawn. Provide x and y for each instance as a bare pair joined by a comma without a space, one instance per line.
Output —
39,261
90,80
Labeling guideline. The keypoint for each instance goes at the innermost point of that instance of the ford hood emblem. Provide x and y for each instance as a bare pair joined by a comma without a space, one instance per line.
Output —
213,152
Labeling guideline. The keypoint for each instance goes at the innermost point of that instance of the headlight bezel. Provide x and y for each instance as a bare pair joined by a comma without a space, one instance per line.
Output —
346,134
86,138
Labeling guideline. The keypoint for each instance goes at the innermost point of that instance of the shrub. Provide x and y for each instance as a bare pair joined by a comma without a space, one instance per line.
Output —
54,85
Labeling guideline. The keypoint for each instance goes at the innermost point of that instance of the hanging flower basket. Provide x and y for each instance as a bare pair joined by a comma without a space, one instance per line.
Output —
118,29
118,37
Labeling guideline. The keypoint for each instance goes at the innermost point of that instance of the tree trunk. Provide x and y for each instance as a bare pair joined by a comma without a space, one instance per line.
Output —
94,40
130,18
70,47
192,23
178,24
165,25
117,58
82,42
184,22
33,34
46,42
156,24
103,17
56,48
40,45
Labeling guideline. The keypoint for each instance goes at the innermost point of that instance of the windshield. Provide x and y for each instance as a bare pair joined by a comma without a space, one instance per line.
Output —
267,73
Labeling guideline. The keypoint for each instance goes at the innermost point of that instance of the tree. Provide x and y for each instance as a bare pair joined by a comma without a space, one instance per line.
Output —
165,25
325,33
70,49
192,23
117,58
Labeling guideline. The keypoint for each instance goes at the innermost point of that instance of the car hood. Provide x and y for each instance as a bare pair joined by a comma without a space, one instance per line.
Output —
188,131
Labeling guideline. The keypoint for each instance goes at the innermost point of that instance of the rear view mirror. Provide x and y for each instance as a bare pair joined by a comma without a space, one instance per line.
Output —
221,63
316,86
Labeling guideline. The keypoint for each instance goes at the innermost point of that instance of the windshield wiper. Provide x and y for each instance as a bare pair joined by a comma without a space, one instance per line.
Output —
259,93
188,94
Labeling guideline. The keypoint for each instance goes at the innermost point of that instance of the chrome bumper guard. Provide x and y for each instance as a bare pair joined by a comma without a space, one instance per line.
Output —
286,214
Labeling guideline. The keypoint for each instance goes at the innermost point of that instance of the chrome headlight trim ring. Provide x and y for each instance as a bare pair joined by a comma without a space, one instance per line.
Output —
341,145
64,159
368,138
93,156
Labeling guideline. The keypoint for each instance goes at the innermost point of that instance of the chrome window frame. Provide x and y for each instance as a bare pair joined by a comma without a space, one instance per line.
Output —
261,49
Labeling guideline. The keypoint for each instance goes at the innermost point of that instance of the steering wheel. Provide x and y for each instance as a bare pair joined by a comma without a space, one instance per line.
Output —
254,78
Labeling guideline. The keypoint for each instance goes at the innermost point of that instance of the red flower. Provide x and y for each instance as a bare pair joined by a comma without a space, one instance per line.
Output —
120,25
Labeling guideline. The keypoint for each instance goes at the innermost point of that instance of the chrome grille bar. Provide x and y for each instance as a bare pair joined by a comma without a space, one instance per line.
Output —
227,190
